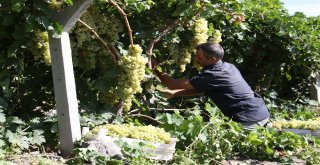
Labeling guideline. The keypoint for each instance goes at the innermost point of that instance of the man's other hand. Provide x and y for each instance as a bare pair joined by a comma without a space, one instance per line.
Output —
154,63
169,94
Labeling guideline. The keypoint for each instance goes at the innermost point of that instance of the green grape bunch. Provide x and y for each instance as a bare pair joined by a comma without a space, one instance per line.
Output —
147,133
85,49
200,30
129,83
40,47
216,37
181,56
311,124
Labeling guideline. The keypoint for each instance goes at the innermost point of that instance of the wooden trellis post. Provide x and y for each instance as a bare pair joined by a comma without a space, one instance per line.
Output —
315,88
63,77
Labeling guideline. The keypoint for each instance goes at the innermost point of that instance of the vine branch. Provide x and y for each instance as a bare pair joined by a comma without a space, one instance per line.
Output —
105,45
158,38
164,32
125,16
145,116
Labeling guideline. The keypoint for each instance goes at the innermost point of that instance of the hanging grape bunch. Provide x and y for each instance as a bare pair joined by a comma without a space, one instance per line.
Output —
40,47
132,67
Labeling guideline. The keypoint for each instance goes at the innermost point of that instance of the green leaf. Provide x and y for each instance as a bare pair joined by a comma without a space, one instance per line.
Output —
8,20
29,27
169,119
17,140
18,32
256,141
2,117
16,120
68,2
181,9
3,103
18,6
203,137
2,143
38,137
107,115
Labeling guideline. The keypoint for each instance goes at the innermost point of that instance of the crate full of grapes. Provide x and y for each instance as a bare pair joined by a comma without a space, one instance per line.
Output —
302,127
152,142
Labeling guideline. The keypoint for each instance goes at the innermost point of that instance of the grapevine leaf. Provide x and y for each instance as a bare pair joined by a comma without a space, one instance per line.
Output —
18,32
3,104
16,120
8,20
169,119
202,137
38,137
181,9
107,115
2,143
2,117
17,140
35,120
256,141
68,2
17,7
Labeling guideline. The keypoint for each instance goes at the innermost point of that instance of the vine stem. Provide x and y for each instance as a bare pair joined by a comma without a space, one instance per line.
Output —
189,146
164,32
114,57
158,38
125,16
157,109
145,116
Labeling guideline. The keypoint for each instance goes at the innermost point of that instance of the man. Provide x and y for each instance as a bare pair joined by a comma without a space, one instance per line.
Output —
223,83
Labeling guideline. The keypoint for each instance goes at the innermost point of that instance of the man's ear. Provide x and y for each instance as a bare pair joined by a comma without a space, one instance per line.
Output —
213,60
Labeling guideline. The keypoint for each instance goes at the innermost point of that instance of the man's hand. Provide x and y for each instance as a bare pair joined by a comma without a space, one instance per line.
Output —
169,94
154,63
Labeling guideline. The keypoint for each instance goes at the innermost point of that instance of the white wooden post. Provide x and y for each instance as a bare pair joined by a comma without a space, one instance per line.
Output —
315,88
63,77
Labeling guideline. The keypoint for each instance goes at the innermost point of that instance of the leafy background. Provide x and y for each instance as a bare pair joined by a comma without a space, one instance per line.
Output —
278,54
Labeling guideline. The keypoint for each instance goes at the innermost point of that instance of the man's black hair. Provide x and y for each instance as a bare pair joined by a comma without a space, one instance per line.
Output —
212,50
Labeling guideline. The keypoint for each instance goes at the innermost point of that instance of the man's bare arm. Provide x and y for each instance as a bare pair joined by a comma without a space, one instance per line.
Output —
180,92
172,83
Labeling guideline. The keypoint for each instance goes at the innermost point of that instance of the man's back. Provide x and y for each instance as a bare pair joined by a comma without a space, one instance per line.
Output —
223,83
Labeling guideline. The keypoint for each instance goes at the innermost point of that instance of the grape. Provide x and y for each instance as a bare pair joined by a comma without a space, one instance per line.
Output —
311,124
129,83
147,133
200,30
40,47
216,37
85,49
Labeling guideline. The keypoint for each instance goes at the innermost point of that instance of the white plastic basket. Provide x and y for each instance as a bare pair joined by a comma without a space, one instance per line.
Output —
303,131
153,150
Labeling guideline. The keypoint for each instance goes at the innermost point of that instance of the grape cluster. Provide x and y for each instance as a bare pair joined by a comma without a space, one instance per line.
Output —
85,49
216,37
40,47
181,56
147,133
55,4
133,71
200,30
311,124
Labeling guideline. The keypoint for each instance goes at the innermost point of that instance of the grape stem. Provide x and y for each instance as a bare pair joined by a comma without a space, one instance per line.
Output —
105,45
145,116
125,16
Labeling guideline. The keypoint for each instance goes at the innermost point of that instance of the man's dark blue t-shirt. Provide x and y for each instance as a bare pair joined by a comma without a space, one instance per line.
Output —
224,84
